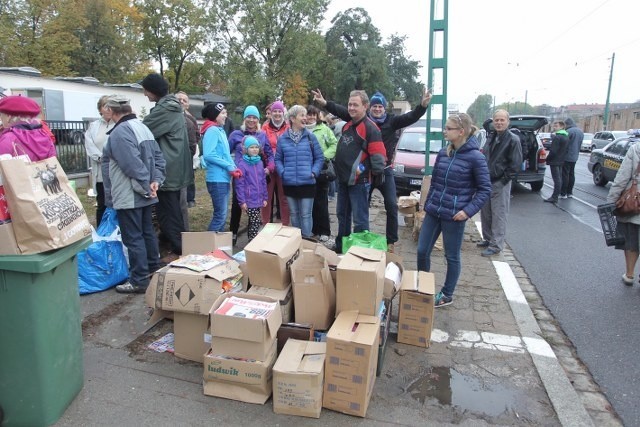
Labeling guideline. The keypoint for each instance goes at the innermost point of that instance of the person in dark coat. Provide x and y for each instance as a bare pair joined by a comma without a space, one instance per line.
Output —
556,158
460,186
573,153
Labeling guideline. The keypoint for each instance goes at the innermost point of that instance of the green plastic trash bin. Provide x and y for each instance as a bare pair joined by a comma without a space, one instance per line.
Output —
41,369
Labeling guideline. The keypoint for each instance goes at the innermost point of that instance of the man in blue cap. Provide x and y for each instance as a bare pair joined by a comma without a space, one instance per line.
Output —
390,126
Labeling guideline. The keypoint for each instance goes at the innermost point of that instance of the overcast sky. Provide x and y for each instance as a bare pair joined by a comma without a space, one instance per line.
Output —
556,52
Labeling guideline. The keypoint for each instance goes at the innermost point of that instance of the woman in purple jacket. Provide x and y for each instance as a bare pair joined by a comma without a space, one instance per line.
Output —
251,187
460,185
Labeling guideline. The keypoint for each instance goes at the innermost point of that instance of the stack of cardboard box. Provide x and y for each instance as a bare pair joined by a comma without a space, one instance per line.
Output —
407,208
243,347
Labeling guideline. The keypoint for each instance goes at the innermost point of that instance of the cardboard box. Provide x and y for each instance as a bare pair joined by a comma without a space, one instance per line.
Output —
203,242
360,283
314,293
270,255
8,244
298,379
417,224
244,380
181,289
415,320
406,220
424,191
350,366
298,331
285,296
192,337
241,337
407,205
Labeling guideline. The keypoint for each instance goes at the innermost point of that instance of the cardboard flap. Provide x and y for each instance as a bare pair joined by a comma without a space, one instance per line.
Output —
426,283
223,271
367,253
301,356
312,363
330,256
274,322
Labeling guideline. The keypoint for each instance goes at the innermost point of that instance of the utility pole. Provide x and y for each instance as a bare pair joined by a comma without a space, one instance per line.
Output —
438,32
606,105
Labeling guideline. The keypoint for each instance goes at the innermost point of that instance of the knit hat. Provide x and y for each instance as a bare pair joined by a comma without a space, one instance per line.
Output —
277,105
156,84
211,111
19,106
378,98
249,141
116,101
251,110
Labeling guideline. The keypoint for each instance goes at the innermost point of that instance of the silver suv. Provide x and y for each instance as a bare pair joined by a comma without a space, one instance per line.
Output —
600,139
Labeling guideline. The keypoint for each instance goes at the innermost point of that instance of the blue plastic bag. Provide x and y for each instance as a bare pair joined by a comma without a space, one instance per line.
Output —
103,265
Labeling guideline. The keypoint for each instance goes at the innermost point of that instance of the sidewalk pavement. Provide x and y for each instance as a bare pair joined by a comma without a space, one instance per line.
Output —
497,358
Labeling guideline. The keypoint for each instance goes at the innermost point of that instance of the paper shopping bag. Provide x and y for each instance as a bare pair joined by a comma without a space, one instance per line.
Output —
45,211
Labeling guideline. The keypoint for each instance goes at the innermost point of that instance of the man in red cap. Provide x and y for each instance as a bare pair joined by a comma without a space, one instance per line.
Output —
21,132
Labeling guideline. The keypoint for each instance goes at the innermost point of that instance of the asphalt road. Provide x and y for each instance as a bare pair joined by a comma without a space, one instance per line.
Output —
564,253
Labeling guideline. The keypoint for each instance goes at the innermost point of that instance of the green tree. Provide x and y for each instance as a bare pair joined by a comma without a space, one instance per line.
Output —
353,42
480,109
272,39
403,71
40,33
108,48
173,32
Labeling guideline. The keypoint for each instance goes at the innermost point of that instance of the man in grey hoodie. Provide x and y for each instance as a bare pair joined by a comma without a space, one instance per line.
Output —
573,152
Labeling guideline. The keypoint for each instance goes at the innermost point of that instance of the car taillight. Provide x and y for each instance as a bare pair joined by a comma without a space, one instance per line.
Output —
542,156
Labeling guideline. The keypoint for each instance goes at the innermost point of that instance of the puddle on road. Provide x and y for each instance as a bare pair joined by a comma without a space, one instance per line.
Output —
463,391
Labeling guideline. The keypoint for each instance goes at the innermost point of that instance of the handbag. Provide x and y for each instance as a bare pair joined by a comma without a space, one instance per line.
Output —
328,172
45,211
629,202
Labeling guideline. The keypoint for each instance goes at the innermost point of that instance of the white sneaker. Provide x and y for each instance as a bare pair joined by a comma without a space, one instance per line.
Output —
323,238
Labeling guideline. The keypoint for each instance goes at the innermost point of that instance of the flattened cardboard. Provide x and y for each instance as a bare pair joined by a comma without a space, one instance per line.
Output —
203,242
192,337
270,255
360,280
181,289
8,244
350,365
314,293
298,379
285,296
416,311
241,337
243,380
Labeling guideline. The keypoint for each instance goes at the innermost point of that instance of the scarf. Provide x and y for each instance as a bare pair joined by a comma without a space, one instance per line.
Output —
379,120
311,126
296,136
252,160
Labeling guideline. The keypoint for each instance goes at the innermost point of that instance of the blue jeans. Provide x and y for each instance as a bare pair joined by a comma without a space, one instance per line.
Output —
300,213
452,235
219,192
388,190
140,239
353,201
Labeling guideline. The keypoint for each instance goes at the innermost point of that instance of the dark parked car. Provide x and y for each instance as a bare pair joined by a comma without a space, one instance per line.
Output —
605,162
409,161
533,152
600,139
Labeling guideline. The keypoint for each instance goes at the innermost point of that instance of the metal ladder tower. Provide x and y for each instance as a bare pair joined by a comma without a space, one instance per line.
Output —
437,69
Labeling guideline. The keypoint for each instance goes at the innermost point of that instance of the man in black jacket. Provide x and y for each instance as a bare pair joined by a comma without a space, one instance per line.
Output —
504,159
390,126
556,158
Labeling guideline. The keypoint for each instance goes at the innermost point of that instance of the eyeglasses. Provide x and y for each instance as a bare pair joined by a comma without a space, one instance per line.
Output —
450,128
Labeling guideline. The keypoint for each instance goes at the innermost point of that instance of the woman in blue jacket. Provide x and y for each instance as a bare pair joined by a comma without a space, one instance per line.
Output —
217,160
460,186
299,160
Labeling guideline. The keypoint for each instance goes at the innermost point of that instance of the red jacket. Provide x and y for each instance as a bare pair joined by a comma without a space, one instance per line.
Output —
274,133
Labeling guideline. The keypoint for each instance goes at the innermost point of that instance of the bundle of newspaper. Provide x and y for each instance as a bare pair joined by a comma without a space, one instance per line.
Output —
248,308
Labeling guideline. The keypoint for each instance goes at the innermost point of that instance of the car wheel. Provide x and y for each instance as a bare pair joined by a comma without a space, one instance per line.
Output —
536,186
598,176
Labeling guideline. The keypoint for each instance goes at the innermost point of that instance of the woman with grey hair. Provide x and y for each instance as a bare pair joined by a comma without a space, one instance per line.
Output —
299,161
94,140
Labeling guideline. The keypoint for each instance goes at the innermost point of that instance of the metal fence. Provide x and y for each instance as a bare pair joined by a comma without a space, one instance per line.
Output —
70,148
